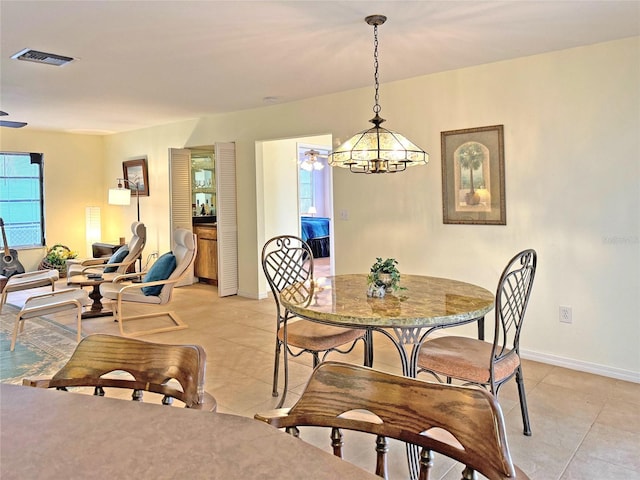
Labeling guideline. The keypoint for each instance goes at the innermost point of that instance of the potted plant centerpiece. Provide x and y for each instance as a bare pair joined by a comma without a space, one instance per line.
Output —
384,275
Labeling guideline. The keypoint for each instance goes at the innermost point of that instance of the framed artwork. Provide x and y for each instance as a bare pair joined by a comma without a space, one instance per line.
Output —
473,176
136,176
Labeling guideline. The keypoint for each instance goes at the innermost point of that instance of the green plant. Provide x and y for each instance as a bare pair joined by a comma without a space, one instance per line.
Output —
58,255
385,273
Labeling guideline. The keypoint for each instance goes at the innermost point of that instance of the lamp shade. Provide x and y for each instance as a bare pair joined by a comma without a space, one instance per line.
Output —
119,196
92,227
312,210
377,150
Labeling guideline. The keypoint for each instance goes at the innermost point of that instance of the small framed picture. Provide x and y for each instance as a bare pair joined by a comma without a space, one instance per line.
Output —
136,176
473,176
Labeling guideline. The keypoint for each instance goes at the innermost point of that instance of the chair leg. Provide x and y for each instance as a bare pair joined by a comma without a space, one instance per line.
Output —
276,367
316,359
18,326
285,352
3,298
523,402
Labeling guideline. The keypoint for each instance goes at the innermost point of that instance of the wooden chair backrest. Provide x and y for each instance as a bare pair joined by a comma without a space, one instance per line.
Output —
152,366
405,409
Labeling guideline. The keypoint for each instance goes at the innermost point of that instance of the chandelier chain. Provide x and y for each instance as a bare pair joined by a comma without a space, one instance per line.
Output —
376,107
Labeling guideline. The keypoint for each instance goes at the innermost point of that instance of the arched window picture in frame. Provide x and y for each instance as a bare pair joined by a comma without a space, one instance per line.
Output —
473,176
136,176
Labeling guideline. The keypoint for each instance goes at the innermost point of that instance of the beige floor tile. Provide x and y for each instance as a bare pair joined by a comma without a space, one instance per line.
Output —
613,446
584,466
593,385
559,401
621,415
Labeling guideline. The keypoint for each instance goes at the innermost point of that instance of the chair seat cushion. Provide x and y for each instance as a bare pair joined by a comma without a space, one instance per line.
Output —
32,280
110,291
464,358
315,336
57,302
161,270
117,257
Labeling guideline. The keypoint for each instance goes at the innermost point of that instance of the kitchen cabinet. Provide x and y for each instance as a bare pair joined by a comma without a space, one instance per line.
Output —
206,263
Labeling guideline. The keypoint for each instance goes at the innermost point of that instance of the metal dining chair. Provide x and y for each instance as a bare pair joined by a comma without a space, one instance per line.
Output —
288,260
477,362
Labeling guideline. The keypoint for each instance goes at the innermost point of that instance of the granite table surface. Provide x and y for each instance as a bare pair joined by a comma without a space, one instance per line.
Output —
424,302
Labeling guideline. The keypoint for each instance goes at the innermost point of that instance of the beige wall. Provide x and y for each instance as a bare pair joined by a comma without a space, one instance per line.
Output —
74,179
572,148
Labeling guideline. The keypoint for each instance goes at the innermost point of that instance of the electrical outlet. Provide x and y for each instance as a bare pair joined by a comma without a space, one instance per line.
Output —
565,314
344,214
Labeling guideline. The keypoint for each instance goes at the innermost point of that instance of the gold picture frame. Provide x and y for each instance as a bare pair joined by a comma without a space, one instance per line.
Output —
136,176
473,176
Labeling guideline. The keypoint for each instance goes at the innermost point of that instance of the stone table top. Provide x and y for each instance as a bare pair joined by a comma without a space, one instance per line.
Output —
425,302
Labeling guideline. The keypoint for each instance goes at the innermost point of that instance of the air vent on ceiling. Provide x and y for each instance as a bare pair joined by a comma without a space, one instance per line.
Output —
41,57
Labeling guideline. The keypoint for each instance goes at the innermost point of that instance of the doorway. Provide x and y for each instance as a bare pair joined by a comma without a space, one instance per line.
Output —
314,203
279,167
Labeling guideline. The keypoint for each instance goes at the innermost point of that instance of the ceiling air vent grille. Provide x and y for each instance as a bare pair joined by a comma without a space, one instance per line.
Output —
41,57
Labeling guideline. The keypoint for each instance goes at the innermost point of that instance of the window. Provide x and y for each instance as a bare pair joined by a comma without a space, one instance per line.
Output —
311,179
306,190
21,198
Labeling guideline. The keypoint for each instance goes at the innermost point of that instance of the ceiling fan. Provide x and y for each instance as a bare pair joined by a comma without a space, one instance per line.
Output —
311,162
7,123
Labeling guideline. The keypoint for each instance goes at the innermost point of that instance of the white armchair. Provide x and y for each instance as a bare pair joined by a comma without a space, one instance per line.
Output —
156,287
115,265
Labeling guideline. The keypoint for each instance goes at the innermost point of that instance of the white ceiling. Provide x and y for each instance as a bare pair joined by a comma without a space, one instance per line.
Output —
143,63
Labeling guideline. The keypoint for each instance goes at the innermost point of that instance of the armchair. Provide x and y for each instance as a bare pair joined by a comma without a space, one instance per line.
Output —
156,287
118,263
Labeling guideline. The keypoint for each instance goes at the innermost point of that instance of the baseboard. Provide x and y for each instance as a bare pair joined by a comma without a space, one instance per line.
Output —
612,372
252,296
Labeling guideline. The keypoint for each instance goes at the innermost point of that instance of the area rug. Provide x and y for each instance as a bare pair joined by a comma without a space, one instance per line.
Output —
42,348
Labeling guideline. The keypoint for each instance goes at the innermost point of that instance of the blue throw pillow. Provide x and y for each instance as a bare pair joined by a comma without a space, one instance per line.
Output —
161,270
117,258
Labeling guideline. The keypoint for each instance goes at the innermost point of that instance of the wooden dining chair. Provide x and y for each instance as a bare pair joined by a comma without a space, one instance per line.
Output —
174,371
462,423
490,365
287,260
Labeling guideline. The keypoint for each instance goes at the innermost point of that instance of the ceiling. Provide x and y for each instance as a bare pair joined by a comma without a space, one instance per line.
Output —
144,63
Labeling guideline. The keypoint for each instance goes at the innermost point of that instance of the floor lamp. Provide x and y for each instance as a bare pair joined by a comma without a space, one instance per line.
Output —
122,196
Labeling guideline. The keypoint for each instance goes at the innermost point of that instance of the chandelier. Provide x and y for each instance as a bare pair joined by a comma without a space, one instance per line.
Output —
311,162
377,150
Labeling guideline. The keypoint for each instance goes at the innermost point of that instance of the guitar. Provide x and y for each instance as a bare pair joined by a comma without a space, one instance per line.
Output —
9,265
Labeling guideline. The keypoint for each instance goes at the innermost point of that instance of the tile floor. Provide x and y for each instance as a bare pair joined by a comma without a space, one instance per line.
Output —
584,426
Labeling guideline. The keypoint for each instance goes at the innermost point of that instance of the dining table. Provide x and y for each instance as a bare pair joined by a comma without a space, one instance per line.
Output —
51,434
406,316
